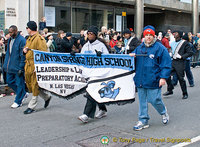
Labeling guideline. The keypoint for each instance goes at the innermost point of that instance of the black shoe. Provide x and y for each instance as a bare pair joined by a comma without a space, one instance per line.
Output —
46,104
168,93
185,96
192,85
174,85
28,111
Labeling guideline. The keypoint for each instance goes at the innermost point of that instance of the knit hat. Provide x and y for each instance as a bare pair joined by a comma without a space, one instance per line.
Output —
185,37
93,29
32,25
179,32
68,34
6,32
149,30
131,29
126,31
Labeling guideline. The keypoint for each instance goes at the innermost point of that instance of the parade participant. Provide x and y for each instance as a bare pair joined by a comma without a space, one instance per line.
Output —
14,65
181,50
37,42
152,70
130,42
188,71
93,46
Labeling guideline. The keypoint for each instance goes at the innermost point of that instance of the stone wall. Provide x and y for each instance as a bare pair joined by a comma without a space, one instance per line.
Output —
17,13
169,20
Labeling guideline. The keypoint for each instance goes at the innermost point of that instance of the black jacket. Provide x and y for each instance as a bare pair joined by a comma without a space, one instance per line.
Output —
185,51
66,45
58,43
133,44
42,25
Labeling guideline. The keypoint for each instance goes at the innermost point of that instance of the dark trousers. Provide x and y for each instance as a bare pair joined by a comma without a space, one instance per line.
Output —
90,107
178,67
18,85
188,72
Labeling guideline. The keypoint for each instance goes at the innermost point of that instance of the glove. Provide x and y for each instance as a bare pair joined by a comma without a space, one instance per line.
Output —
170,54
72,53
178,56
123,49
98,53
20,73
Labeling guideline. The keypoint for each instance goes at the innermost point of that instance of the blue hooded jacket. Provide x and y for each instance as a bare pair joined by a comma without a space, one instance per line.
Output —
16,60
151,68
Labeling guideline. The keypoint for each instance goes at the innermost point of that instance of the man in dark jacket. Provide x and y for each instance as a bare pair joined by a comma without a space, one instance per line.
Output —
67,43
130,42
181,50
14,65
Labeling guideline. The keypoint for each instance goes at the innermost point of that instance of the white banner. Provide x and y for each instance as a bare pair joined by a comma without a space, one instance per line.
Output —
109,77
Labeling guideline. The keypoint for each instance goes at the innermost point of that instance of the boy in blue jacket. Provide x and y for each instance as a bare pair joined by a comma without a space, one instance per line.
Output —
153,67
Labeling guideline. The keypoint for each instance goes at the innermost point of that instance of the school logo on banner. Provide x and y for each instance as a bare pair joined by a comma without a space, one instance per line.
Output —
108,91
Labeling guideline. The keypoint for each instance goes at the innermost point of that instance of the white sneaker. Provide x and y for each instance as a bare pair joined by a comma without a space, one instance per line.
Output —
1,95
139,126
165,118
101,114
15,105
84,118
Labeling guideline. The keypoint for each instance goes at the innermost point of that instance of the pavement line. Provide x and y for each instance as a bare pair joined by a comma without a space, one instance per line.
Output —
193,140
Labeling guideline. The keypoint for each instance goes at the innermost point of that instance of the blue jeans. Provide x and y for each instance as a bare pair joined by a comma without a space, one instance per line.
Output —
152,96
18,85
188,72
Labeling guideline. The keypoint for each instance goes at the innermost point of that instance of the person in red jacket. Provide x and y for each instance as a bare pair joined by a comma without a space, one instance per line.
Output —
165,42
113,41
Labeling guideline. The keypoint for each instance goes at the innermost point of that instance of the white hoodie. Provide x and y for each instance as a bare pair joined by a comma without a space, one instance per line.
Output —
91,47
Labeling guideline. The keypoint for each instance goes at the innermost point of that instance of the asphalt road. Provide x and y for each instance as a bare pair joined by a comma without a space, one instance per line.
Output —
58,126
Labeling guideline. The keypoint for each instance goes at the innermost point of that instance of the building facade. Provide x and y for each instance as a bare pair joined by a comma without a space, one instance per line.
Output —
74,15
